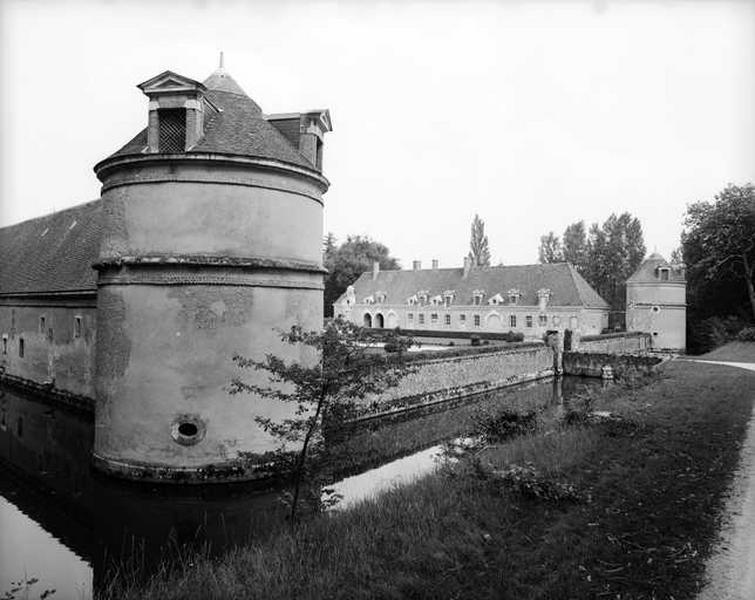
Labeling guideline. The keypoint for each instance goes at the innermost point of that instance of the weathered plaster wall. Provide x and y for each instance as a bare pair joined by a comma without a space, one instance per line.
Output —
439,380
202,260
667,325
54,356
170,356
211,210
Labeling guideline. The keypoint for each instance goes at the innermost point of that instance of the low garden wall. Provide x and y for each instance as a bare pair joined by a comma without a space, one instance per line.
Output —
440,379
624,366
615,343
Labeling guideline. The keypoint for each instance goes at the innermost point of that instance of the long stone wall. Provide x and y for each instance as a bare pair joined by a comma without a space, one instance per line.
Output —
615,343
439,380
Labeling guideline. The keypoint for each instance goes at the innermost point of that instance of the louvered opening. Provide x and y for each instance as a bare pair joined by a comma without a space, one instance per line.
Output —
172,129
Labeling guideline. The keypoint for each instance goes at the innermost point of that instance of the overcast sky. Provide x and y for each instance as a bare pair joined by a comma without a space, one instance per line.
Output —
532,114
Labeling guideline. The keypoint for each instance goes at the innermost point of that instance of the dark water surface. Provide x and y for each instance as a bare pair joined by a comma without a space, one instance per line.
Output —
67,526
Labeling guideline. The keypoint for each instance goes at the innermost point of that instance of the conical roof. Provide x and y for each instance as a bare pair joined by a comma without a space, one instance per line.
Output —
222,81
234,124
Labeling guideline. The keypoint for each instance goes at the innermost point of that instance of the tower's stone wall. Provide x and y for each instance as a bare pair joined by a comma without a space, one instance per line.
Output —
202,259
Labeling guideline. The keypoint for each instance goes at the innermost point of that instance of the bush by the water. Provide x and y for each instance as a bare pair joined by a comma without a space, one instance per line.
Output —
496,426
747,335
529,482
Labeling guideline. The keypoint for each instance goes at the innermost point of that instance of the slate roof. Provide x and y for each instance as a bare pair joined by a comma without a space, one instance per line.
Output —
647,271
239,128
53,253
568,288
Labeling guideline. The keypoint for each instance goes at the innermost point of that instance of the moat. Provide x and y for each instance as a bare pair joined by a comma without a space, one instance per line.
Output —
67,526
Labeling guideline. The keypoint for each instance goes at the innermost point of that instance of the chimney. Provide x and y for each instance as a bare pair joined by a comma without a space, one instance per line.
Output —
467,265
435,264
416,265
375,270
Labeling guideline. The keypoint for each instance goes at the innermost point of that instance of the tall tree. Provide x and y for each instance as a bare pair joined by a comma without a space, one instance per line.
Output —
550,250
479,250
575,246
719,250
345,263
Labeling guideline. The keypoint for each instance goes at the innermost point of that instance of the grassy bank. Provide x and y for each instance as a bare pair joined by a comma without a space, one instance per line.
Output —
649,492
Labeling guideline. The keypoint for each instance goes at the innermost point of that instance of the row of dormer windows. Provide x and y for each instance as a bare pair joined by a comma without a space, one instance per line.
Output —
434,319
423,298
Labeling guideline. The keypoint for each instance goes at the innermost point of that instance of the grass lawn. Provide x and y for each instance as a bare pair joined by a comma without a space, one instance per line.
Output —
733,351
650,491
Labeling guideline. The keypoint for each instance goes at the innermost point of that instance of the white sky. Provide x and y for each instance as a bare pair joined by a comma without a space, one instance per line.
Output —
532,114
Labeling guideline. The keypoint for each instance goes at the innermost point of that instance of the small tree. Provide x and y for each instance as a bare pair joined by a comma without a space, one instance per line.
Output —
347,371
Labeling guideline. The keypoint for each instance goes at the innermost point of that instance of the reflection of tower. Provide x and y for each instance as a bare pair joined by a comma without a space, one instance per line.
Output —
211,242
656,302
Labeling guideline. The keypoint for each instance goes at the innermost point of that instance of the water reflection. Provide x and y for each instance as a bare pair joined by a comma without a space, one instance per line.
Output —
74,525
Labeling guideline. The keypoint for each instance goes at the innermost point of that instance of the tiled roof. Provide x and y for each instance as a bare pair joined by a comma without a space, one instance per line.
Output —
239,128
647,271
53,253
567,287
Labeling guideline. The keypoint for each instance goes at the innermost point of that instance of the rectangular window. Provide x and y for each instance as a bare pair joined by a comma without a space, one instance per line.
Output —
172,130
477,320
448,319
21,347
528,320
42,325
421,318
664,274
477,300
512,321
434,318
463,318
410,317
542,320
77,327
5,344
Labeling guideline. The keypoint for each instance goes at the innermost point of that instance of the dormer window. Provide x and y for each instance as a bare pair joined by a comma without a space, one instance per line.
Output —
176,112
436,300
380,297
448,297
412,300
172,130
496,300
423,296
514,296
663,273
369,300
477,296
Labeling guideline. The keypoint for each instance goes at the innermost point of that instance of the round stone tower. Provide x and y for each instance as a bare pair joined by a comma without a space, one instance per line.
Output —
212,236
656,303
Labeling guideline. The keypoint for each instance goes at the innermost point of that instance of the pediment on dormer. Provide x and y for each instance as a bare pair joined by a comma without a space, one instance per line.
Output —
169,82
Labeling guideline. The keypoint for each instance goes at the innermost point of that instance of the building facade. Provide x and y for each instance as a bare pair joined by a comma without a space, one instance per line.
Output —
528,299
206,240
657,304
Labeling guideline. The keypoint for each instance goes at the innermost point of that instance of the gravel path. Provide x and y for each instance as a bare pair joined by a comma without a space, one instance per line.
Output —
730,572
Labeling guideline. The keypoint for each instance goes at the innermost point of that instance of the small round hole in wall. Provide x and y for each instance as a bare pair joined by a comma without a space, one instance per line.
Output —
188,430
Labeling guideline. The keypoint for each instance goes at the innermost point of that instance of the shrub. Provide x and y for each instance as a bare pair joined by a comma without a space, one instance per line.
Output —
513,337
527,481
475,340
747,334
497,426
708,334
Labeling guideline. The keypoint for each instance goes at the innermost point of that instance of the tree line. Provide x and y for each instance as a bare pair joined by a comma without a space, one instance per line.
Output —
605,255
